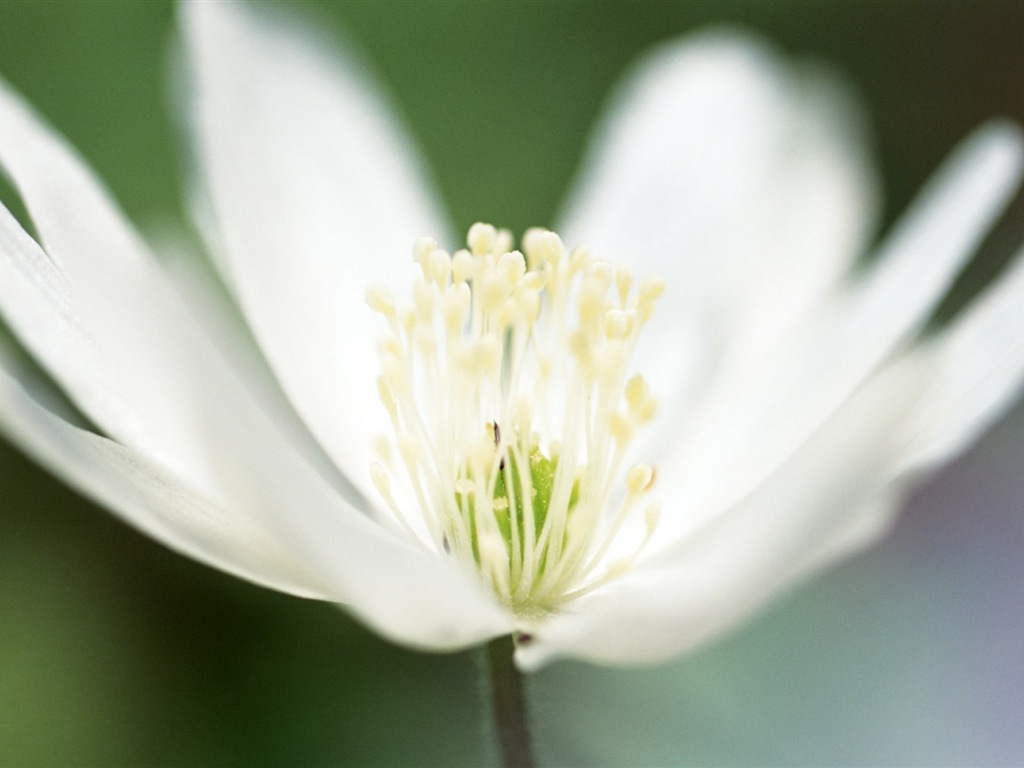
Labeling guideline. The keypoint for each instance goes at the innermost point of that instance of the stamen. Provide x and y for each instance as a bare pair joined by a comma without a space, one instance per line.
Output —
505,379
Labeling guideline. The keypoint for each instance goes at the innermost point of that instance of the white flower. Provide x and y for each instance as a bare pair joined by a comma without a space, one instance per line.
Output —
798,396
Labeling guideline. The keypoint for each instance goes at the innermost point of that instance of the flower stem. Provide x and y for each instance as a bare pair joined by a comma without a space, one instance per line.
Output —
508,699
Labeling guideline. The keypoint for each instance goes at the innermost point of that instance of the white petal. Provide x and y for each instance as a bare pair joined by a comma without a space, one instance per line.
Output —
146,497
977,374
750,423
97,311
39,306
734,565
980,374
315,194
104,320
401,592
742,181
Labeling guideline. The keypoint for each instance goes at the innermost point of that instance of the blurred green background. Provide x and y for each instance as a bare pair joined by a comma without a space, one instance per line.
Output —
114,651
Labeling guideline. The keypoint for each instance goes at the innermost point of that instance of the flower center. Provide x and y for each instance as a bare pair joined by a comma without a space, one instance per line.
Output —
506,381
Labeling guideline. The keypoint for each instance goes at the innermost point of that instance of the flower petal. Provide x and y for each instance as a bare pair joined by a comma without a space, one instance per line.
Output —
315,194
97,311
145,496
980,374
91,307
742,181
403,593
752,421
977,374
745,556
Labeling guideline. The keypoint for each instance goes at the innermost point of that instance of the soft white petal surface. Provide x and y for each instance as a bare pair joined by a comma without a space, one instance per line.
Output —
730,567
743,181
315,195
758,528
144,495
980,374
96,310
752,421
976,374
403,592
62,302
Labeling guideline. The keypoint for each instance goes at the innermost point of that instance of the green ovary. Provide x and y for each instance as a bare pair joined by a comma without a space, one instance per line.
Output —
511,512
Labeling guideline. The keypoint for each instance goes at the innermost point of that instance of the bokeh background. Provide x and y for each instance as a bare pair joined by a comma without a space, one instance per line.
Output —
114,651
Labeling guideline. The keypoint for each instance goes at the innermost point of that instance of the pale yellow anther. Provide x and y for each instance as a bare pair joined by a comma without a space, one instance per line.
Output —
463,266
621,427
508,313
490,350
645,411
422,249
382,447
623,284
455,306
545,366
503,241
618,324
580,346
481,238
381,480
389,346
396,376
533,281
528,306
407,319
601,274
512,267
610,361
619,568
591,307
639,478
579,259
542,247
379,298
481,357
440,264
492,291
386,396
532,247
652,515
465,356
425,340
650,291
423,301
636,391
410,450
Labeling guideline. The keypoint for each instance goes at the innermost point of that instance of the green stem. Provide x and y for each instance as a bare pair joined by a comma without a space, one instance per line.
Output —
508,698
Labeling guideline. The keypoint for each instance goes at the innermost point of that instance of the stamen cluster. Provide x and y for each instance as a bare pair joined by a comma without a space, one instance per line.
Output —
505,379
